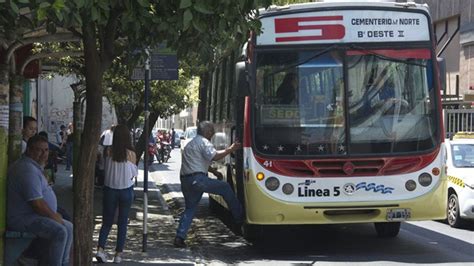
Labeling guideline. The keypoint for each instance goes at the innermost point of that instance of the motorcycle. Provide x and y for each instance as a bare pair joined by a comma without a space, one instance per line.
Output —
152,152
164,151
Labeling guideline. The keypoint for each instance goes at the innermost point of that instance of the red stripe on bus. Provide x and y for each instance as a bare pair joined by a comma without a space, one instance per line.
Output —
292,24
363,167
411,53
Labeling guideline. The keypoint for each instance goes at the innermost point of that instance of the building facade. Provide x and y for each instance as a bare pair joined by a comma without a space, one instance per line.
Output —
453,22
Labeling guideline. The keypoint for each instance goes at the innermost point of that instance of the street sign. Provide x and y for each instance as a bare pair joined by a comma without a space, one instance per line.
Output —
162,67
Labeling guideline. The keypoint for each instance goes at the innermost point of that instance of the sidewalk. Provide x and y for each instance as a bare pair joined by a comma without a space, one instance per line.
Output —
161,224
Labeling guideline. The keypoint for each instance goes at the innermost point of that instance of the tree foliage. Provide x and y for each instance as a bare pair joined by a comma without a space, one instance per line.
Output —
197,29
166,97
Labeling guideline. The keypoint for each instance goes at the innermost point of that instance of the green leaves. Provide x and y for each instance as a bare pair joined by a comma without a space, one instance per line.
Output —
187,17
203,8
185,4
58,4
199,25
95,14
80,3
144,3
14,7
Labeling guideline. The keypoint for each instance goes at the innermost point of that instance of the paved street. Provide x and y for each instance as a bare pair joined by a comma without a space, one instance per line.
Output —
211,242
428,242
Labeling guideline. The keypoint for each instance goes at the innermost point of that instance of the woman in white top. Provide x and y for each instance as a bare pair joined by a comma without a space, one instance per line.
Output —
120,170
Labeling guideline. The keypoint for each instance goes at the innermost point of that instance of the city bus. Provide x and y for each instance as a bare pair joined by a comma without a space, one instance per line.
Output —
338,108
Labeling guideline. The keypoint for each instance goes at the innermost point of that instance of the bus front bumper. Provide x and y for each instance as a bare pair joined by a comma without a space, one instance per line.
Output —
264,210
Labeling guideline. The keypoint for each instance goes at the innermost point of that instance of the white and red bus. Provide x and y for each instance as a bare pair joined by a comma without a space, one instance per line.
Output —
357,139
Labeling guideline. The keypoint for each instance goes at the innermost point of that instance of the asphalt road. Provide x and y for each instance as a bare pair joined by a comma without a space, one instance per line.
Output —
211,242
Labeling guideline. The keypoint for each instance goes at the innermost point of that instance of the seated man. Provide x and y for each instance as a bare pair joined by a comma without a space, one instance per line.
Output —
287,92
32,204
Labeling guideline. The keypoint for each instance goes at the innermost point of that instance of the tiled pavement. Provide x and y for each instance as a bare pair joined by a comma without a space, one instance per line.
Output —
161,225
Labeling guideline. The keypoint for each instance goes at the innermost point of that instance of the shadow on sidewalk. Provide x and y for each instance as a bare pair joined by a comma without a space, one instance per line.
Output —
161,225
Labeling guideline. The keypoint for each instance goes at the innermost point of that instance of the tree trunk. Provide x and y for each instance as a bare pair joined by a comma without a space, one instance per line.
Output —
4,123
203,84
122,114
16,118
140,148
83,180
133,118
78,125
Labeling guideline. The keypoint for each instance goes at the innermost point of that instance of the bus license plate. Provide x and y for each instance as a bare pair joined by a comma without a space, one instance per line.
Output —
398,214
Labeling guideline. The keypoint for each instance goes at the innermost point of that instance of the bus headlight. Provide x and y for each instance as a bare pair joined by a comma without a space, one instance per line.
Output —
288,188
260,176
410,185
425,179
272,183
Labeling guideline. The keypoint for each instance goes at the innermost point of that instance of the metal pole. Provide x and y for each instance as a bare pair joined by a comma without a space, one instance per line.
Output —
145,163
133,126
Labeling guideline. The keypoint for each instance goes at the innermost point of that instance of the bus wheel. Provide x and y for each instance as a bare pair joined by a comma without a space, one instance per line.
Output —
454,220
387,230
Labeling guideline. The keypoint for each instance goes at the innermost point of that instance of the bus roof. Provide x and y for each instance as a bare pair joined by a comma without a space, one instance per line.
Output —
340,3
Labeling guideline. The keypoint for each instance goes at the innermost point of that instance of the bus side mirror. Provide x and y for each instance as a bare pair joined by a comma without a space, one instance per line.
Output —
241,78
442,72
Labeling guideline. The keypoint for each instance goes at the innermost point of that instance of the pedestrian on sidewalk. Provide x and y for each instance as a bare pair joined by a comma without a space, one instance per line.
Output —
69,145
32,204
52,166
197,156
105,142
30,127
61,136
173,138
120,171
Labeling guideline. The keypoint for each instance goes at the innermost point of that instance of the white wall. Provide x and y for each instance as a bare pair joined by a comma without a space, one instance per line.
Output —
55,99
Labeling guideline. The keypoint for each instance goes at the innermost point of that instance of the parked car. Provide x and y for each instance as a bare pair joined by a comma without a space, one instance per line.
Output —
177,137
460,172
189,134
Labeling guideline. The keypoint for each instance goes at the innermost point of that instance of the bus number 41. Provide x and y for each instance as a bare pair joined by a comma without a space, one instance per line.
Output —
268,164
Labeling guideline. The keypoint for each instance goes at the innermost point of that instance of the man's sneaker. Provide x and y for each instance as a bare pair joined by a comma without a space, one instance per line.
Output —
237,228
117,259
101,257
179,242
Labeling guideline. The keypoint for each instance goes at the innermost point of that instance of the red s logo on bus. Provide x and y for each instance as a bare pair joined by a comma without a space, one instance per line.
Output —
309,29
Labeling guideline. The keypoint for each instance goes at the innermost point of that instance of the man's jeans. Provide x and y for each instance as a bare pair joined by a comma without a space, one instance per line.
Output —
193,187
59,236
113,197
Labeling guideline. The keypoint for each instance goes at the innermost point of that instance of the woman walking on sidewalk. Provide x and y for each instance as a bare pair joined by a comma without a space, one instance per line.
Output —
120,170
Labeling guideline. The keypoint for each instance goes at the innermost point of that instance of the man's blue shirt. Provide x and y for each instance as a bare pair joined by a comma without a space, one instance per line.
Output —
26,182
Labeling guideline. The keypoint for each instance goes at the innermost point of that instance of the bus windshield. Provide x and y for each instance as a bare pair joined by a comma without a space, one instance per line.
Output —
335,102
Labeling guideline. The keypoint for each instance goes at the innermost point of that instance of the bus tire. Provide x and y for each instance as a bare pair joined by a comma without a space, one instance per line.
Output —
387,230
453,218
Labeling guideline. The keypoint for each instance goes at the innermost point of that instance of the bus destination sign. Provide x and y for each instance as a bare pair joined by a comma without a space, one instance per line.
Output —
344,26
